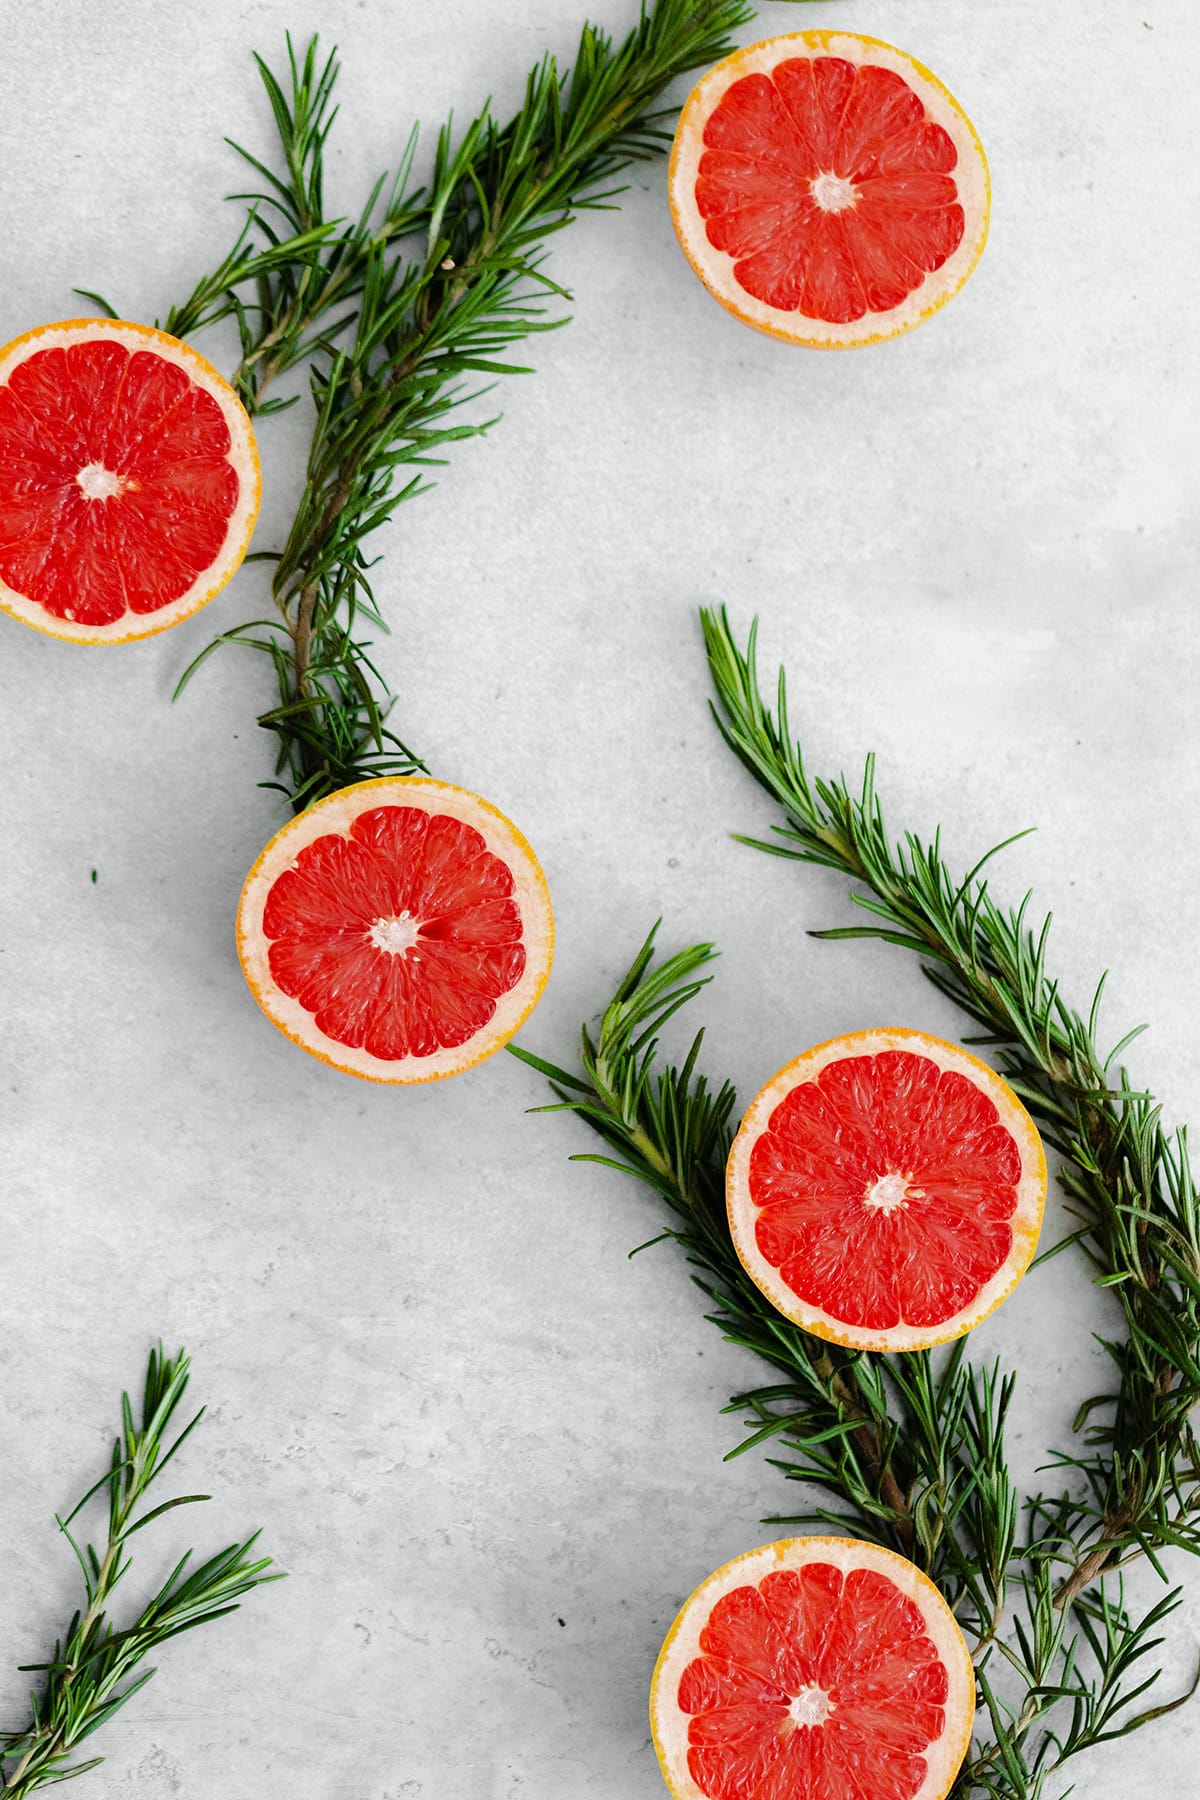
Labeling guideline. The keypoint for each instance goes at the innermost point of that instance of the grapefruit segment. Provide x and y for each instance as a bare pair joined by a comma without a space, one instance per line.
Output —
815,1667
886,1190
400,930
828,189
129,481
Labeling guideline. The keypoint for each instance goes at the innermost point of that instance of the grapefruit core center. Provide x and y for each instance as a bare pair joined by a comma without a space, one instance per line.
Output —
811,1706
396,935
833,192
889,1192
97,482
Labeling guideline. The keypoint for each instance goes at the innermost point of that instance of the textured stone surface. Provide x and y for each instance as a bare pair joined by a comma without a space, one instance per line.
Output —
488,1448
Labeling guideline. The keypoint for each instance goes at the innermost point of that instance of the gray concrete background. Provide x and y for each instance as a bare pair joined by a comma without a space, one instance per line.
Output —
486,1447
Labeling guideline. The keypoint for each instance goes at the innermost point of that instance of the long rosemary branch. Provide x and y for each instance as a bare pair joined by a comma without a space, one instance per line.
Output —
92,1672
910,1446
1128,1181
426,325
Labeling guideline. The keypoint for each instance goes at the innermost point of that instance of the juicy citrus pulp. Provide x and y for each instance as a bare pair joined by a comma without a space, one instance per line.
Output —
813,1669
886,1189
400,930
129,480
827,188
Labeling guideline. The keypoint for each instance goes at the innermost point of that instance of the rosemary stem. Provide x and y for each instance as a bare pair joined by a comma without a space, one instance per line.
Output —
302,636
1089,1566
867,1438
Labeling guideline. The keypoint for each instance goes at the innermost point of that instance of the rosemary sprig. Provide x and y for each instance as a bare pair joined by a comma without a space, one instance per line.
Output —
1127,1180
91,1674
910,1446
913,1455
426,325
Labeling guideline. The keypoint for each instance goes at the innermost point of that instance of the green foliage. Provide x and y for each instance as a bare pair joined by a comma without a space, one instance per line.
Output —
399,315
912,1456
904,1450
1127,1180
94,1668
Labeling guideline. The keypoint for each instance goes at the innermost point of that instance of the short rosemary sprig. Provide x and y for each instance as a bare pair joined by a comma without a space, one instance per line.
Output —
288,311
911,1447
1128,1181
91,1674
426,325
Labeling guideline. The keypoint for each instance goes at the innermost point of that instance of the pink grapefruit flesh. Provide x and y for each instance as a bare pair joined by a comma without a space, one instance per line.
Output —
886,1190
129,480
813,1669
828,189
400,930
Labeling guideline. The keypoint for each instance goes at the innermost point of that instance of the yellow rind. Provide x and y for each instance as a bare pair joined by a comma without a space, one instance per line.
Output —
846,1552
698,103
1026,1221
506,840
30,612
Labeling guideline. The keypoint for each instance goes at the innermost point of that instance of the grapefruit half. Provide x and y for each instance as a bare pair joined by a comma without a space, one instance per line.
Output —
827,189
886,1190
813,1669
400,930
129,480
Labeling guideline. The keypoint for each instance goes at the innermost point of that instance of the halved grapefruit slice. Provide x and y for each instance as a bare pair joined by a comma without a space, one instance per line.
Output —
886,1190
828,189
813,1669
400,930
129,480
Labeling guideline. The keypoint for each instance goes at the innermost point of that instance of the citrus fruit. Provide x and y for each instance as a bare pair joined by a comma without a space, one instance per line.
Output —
399,929
828,189
129,480
886,1189
813,1669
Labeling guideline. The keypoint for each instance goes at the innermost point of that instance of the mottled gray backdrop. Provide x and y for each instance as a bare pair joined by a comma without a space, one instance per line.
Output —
486,1446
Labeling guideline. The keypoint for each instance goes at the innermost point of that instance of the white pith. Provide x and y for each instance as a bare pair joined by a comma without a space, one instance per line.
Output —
243,453
395,935
98,483
336,815
811,1706
1025,1222
669,1725
833,193
886,1194
715,267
